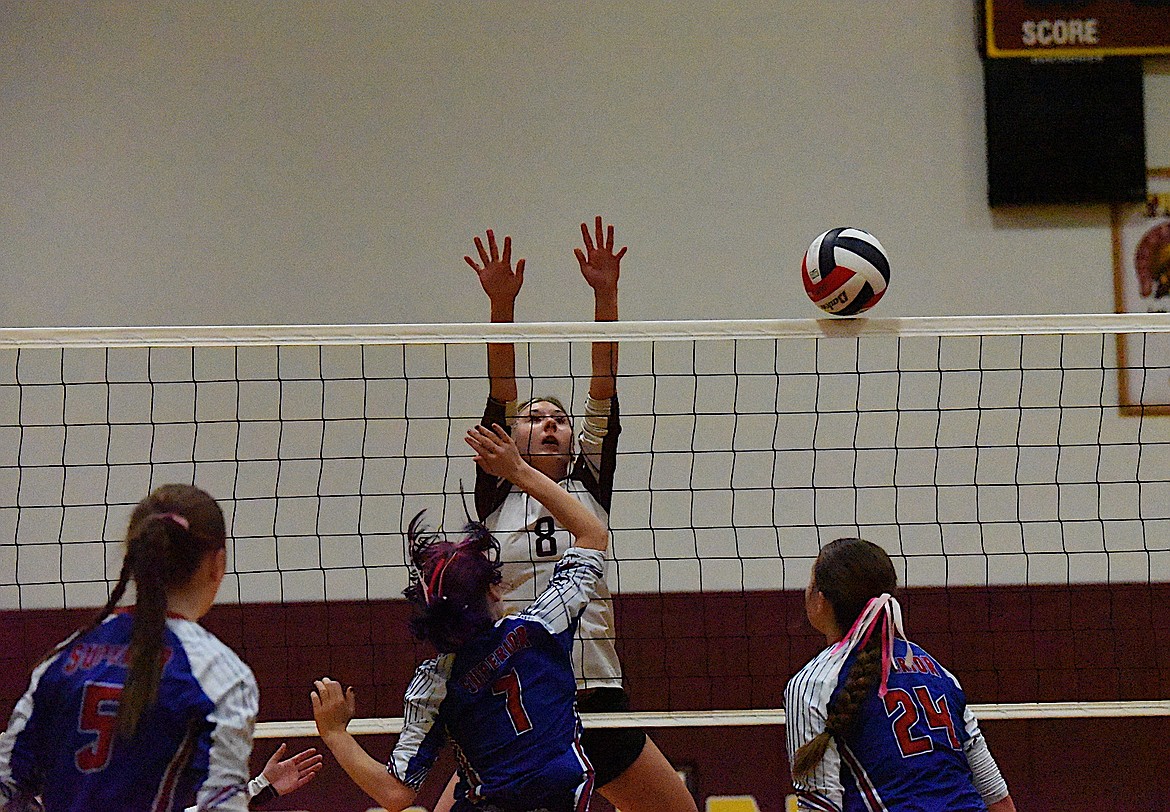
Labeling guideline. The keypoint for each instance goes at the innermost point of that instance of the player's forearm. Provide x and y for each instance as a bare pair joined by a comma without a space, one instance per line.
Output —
502,357
605,353
1004,805
605,361
502,371
565,508
372,776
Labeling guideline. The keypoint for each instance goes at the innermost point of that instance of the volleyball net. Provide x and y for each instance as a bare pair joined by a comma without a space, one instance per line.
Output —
1017,470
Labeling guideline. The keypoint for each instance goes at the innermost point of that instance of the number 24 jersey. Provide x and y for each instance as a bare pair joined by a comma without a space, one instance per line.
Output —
908,750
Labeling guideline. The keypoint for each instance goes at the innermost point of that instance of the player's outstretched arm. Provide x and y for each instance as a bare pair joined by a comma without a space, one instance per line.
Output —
496,453
281,775
1005,805
332,710
601,267
502,284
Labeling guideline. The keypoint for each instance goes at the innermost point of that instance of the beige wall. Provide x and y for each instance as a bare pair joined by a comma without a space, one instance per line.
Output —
207,162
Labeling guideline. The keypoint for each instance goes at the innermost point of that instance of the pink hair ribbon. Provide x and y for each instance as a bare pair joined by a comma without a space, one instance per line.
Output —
436,584
886,611
181,521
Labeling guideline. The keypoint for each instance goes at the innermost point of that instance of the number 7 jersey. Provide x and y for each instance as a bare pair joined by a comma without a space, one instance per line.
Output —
507,700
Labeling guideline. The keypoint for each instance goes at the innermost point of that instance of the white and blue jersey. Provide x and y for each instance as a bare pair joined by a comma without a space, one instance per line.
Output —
191,746
918,748
507,701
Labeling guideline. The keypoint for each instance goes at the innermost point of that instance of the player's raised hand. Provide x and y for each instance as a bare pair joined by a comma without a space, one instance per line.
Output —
600,265
500,282
290,774
333,708
495,451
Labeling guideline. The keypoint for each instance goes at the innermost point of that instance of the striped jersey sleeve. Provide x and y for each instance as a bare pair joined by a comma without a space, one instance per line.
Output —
20,780
230,684
422,736
806,707
572,586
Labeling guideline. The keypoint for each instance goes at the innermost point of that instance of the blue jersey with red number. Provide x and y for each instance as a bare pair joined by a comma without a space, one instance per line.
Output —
507,701
908,750
191,746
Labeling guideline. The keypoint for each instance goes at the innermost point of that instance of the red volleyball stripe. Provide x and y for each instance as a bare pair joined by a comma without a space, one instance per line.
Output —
830,284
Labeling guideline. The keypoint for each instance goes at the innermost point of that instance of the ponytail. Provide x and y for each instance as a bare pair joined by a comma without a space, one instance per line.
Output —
449,583
148,550
857,578
170,533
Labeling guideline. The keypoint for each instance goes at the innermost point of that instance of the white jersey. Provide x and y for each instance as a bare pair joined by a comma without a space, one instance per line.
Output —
532,542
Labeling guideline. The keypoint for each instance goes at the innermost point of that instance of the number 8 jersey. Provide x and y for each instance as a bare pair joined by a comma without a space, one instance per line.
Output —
919,747
531,542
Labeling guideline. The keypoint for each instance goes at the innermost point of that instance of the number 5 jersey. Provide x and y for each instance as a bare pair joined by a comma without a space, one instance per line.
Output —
191,745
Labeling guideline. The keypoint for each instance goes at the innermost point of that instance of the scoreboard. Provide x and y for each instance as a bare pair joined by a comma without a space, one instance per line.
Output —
1076,28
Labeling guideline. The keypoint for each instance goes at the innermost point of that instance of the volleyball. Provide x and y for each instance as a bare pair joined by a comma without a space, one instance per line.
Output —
845,271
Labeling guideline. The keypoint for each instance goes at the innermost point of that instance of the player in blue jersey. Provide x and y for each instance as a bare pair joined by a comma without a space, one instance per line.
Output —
502,688
873,721
143,709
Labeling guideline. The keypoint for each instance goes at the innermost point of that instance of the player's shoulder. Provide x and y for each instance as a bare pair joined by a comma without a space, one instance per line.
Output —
435,670
428,686
518,624
213,663
911,658
814,683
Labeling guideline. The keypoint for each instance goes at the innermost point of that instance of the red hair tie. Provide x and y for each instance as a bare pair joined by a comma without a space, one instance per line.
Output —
435,588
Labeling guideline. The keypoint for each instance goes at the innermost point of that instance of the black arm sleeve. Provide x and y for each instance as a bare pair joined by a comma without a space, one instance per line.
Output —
262,797
490,491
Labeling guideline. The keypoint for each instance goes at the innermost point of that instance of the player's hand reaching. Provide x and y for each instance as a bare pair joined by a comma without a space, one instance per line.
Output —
600,265
333,708
495,451
500,282
290,774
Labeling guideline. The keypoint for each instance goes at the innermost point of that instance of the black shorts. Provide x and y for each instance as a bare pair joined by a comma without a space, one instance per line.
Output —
611,750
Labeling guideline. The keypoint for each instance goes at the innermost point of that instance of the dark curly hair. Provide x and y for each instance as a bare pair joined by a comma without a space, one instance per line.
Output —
450,582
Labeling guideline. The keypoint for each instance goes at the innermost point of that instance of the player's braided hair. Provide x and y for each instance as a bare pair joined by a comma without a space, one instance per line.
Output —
450,582
866,670
849,572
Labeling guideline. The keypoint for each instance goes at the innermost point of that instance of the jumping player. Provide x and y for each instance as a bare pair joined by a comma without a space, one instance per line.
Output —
501,689
874,722
142,709
631,771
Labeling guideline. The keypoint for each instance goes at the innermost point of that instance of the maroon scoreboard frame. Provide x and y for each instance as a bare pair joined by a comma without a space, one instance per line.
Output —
1088,28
